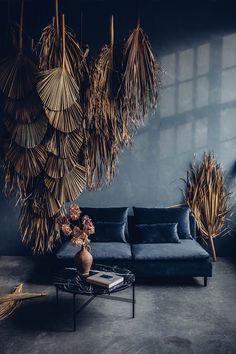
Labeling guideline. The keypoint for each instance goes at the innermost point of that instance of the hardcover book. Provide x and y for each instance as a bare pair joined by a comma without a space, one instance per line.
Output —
105,279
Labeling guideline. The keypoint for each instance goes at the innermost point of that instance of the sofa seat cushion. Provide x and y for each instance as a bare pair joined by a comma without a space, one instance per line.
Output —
186,250
100,251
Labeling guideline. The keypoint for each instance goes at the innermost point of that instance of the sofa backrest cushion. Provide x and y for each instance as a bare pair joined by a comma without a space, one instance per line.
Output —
157,233
106,231
165,215
117,215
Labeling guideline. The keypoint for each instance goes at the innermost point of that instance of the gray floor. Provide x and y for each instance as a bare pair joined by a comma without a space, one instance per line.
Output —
179,316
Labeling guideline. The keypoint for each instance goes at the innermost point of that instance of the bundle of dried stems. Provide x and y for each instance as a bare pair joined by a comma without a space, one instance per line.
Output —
208,198
9,302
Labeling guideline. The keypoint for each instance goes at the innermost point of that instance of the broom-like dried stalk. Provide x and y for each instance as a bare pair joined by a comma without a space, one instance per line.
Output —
207,198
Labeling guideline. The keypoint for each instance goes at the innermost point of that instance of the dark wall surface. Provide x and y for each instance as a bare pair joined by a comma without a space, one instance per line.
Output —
196,44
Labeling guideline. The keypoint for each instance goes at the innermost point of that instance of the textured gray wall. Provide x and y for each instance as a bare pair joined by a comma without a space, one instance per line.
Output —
197,113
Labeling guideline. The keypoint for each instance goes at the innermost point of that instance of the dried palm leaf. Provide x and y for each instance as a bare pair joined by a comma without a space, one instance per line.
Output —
16,183
41,232
56,87
67,120
17,73
7,308
139,88
207,198
28,135
25,110
103,126
57,167
19,296
69,187
65,145
27,162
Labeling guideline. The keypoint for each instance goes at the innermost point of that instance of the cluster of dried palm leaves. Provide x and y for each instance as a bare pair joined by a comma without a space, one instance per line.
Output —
9,302
67,119
208,198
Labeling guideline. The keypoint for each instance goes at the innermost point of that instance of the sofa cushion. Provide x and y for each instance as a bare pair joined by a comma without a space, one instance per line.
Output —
186,250
165,215
106,231
157,233
100,251
106,214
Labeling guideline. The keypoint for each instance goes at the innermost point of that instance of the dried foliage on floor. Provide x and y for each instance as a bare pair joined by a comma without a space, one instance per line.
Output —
208,199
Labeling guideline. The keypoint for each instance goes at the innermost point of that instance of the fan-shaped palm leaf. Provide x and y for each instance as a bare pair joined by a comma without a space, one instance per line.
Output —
27,162
69,187
28,135
67,120
25,110
56,87
17,76
65,145
57,167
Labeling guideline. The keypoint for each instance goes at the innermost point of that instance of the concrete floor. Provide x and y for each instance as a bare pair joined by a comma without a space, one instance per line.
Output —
172,316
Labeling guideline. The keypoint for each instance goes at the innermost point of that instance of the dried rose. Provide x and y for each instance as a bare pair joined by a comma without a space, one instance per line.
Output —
66,229
74,212
62,220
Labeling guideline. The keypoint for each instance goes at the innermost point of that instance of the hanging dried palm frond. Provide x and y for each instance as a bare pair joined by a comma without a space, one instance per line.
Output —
27,162
65,145
67,120
41,232
28,135
103,127
139,88
69,187
17,73
25,110
56,87
207,198
16,183
57,167
43,203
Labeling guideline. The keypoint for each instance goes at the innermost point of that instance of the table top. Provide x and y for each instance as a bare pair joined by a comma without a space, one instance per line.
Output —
69,280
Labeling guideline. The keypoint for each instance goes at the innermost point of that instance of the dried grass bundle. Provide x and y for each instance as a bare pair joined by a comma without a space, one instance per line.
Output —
65,145
57,167
208,198
27,162
8,307
28,135
103,131
25,110
69,187
139,88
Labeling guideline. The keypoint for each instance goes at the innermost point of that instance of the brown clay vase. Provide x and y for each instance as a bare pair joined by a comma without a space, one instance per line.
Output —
83,261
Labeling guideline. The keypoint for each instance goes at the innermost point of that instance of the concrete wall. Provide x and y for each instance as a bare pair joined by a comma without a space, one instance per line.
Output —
196,45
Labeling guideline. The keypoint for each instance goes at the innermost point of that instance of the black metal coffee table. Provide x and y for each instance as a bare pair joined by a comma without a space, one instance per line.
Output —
68,280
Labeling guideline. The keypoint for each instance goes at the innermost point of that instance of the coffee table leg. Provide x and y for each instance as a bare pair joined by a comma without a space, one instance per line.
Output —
133,302
74,312
57,295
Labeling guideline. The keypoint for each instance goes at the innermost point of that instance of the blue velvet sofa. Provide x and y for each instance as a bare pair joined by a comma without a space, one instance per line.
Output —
115,243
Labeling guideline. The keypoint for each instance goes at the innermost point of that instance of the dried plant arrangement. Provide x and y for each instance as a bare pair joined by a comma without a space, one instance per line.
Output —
140,82
208,198
103,123
9,302
18,72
